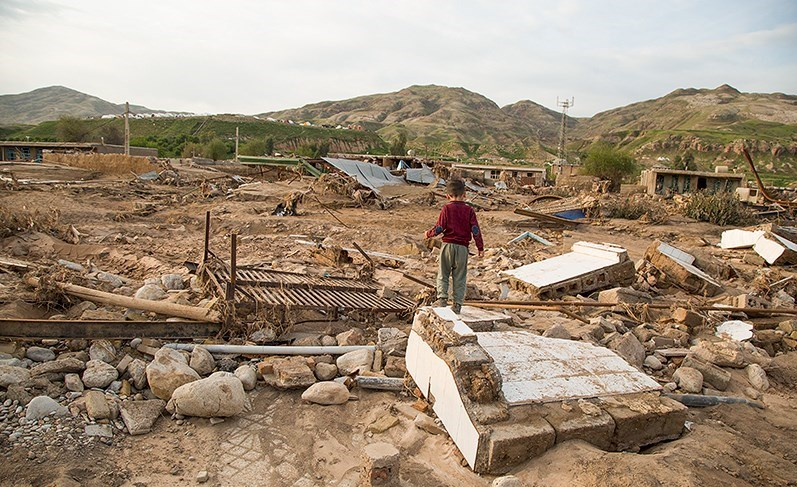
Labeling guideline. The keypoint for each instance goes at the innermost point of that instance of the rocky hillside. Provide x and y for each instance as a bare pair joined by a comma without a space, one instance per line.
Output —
714,124
454,120
55,101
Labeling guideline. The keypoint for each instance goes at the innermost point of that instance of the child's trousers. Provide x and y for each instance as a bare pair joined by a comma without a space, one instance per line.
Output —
454,263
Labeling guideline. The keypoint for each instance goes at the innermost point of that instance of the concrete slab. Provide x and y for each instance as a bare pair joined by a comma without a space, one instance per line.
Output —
677,268
479,319
776,249
588,267
539,369
572,423
511,444
644,419
739,239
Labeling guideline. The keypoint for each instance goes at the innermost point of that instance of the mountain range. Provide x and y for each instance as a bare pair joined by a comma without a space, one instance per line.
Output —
713,123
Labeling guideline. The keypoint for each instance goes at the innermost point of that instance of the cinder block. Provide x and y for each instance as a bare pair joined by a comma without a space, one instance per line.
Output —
511,444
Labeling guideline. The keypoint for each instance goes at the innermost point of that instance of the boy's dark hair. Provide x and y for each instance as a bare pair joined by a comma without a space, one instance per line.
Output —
455,187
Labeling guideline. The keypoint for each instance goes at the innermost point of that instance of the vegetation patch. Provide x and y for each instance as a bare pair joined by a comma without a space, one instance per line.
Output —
719,208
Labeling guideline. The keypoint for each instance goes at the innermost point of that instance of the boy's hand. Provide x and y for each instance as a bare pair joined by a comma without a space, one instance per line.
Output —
480,254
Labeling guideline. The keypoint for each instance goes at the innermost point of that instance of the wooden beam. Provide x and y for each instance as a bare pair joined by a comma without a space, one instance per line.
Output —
124,330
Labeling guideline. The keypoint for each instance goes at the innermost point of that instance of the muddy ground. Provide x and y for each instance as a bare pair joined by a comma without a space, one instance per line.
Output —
143,229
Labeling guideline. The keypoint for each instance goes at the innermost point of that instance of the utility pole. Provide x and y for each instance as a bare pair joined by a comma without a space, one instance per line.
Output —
565,104
127,128
236,144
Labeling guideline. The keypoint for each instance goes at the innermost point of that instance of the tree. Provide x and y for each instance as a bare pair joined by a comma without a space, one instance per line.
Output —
606,162
193,149
71,129
399,145
688,162
217,149
269,149
253,148
111,134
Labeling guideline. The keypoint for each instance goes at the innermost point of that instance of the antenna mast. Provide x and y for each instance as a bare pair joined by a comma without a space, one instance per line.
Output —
565,104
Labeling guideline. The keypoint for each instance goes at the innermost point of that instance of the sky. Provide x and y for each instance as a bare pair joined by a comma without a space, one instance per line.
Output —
256,56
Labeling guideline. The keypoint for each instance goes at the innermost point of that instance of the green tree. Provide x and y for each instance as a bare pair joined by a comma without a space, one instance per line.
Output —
399,145
72,129
111,134
193,149
269,150
217,149
606,162
688,162
253,148
313,151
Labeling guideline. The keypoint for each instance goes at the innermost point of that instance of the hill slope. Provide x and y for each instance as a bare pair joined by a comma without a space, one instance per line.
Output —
52,102
455,120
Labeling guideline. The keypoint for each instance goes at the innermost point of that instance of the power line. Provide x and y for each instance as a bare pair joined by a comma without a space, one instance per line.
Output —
565,104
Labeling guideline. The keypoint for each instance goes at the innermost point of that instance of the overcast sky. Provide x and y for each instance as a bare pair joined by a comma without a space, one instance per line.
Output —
256,56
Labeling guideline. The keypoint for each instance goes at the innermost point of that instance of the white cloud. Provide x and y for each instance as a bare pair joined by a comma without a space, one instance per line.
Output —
250,57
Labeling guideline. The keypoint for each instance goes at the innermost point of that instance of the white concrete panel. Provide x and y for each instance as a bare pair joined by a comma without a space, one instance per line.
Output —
739,239
560,268
770,250
434,376
605,251
541,369
677,254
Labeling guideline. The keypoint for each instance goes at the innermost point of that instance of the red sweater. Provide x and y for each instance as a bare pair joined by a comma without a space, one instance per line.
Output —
457,222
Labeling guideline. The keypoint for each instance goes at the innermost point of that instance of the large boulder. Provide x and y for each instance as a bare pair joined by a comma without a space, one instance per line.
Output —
102,350
358,360
202,361
326,393
13,375
730,353
42,406
140,416
99,374
220,395
168,371
151,292
689,379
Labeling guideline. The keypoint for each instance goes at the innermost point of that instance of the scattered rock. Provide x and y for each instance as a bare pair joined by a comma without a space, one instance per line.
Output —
202,476
292,373
42,406
757,377
151,292
96,405
395,366
10,374
653,363
123,364
227,365
168,371
73,383
689,379
557,331
140,416
247,375
507,481
137,370
328,341
426,423
202,361
101,430
383,424
173,282
327,393
325,372
102,350
99,374
358,360
354,336
629,347
220,395
263,335
40,354
58,366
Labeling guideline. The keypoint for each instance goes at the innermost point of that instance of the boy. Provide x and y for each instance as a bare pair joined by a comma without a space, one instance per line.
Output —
457,222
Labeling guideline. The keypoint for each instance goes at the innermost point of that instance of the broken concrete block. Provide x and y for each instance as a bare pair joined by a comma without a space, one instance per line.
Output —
574,424
749,301
426,423
677,267
688,318
588,267
140,416
381,466
629,347
714,376
514,443
644,419
623,295
776,249
739,239
292,373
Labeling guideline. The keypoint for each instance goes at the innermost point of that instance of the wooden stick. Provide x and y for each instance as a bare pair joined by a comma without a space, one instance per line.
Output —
160,307
360,250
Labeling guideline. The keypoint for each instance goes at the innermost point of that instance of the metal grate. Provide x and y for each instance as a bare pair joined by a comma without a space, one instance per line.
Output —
301,291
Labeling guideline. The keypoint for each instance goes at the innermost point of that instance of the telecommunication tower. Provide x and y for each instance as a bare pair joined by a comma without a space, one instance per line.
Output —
565,104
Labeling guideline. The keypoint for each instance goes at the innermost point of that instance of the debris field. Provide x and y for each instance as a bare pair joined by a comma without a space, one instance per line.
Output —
224,324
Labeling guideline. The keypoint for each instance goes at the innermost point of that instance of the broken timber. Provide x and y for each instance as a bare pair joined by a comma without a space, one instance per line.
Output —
112,329
159,307
547,218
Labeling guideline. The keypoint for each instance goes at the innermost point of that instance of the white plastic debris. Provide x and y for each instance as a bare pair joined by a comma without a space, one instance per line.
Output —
735,330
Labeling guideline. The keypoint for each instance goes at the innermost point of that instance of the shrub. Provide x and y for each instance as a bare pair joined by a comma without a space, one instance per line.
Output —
718,208
634,209
608,163
72,129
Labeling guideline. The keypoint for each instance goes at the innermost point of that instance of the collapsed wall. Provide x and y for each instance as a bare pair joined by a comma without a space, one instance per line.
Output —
505,397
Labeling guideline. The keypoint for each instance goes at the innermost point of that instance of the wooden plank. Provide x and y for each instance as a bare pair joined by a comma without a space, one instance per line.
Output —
19,328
